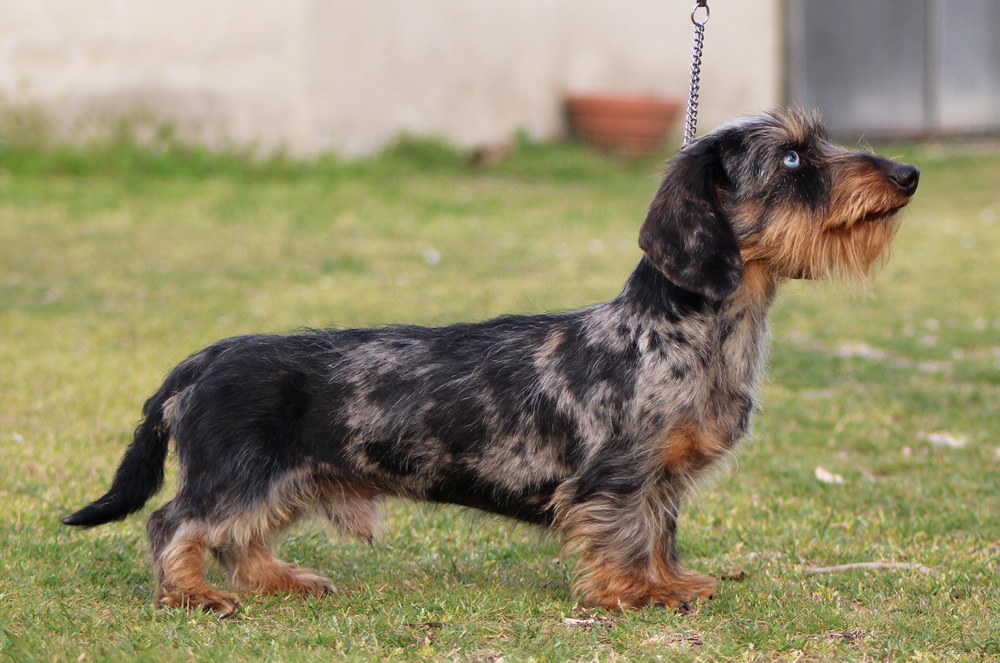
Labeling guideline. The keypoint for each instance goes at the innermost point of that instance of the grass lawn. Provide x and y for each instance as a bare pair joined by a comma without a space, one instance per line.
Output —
116,264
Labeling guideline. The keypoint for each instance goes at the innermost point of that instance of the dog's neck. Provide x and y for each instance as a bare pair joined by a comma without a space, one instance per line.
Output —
648,291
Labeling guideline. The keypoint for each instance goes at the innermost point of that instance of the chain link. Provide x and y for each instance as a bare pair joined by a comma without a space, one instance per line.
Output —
691,117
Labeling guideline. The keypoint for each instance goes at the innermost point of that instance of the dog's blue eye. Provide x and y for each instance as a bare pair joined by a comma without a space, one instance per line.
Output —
791,159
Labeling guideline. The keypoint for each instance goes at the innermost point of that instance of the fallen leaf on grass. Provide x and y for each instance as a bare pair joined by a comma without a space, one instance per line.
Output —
944,440
826,476
588,622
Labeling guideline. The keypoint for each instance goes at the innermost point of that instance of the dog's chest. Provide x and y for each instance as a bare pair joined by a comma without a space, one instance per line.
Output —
705,369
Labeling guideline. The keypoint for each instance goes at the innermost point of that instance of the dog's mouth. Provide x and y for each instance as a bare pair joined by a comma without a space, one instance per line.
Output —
873,217
876,216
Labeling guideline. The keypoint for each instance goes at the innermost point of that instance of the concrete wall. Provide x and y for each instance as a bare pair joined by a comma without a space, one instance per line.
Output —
350,75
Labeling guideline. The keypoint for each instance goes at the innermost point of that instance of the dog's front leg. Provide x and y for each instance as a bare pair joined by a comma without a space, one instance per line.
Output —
624,530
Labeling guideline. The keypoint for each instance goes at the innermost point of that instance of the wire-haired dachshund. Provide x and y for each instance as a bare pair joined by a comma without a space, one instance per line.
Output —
593,424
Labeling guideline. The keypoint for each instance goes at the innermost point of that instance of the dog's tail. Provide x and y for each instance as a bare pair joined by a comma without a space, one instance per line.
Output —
140,473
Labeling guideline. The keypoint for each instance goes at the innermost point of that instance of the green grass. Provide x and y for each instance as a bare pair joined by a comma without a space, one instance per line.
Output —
117,261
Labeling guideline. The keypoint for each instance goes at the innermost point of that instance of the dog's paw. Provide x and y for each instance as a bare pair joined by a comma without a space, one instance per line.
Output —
222,603
314,585
226,605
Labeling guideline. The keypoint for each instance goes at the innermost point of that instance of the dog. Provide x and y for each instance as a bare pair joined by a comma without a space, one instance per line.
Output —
592,424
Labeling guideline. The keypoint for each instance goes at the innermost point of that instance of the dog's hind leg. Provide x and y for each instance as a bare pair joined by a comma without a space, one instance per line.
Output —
179,546
253,567
249,561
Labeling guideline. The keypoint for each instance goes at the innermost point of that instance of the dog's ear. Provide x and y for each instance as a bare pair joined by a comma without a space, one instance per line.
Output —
686,234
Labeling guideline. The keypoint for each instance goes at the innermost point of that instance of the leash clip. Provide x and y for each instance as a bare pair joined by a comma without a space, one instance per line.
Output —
702,4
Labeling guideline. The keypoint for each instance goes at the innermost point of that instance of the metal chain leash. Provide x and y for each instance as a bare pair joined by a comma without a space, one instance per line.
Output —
691,118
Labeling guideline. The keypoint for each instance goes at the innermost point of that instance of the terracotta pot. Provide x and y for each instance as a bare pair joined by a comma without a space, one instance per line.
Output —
629,124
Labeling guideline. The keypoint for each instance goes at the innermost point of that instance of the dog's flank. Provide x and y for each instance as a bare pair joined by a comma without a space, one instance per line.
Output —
593,423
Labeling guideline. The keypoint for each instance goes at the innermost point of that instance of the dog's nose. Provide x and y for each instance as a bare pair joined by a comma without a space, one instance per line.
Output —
906,177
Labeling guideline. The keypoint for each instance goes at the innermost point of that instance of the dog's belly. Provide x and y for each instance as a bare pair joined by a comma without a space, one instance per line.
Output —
529,503
508,477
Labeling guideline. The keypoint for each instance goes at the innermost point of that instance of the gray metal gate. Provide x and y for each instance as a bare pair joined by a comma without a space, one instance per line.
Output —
897,67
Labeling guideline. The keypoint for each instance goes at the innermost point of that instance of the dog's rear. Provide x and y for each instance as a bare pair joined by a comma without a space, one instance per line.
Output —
593,423
140,473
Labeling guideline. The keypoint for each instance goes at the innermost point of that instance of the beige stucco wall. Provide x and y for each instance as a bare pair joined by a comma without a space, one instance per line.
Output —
350,75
